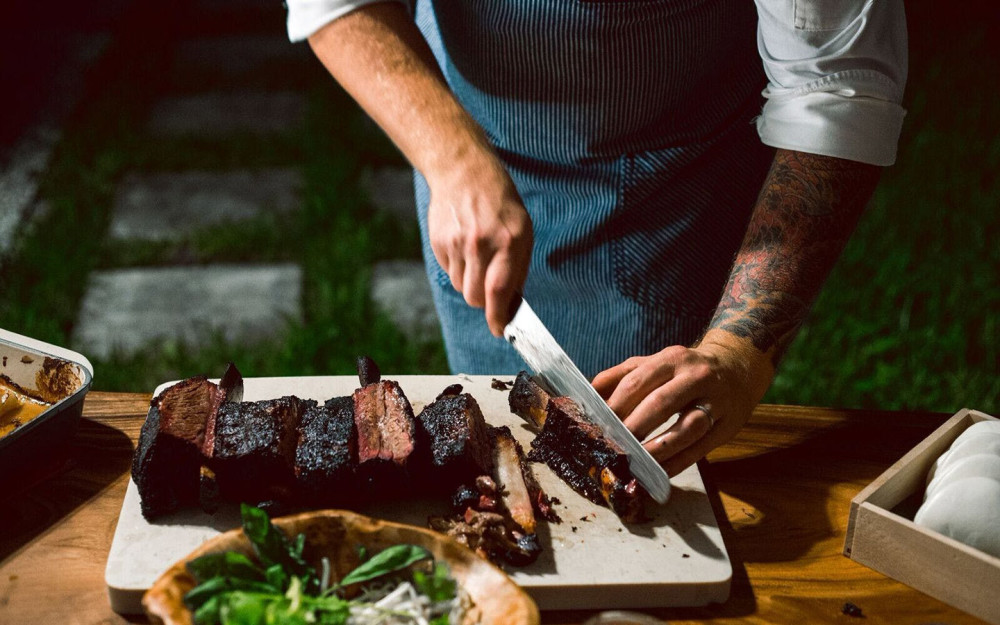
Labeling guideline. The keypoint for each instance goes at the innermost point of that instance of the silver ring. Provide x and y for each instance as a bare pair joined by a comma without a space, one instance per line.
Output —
708,413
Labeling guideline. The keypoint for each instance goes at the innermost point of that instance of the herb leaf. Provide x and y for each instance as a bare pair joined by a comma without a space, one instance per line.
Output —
438,586
387,561
208,612
242,608
282,589
277,577
228,564
202,593
271,545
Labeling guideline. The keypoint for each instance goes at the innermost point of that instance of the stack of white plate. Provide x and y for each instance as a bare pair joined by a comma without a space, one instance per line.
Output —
962,499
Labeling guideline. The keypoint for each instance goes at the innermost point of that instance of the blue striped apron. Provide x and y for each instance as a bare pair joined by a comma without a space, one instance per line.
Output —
626,126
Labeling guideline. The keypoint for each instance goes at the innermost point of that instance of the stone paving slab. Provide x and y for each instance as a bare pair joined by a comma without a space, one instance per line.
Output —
400,290
217,114
128,309
391,190
165,206
22,164
19,180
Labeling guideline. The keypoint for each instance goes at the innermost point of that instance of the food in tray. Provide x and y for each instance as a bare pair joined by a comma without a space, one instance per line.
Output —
334,567
573,447
962,498
201,444
18,406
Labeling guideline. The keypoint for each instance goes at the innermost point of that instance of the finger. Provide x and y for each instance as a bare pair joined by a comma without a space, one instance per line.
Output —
500,286
660,405
472,282
635,385
456,271
690,429
606,381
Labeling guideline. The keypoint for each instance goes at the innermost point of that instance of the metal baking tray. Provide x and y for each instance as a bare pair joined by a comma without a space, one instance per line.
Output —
55,373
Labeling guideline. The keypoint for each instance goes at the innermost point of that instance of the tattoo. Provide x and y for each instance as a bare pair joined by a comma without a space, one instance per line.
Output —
807,209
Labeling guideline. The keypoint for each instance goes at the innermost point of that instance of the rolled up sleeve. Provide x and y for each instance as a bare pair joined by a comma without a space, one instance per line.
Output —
836,72
305,17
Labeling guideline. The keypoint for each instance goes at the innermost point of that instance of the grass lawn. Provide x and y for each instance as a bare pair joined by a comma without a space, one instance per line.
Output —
910,317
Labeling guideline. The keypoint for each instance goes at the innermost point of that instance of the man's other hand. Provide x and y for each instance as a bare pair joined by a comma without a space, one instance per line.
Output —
723,376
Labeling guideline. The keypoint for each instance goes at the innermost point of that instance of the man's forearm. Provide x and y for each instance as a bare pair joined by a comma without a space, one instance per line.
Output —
477,226
377,54
807,209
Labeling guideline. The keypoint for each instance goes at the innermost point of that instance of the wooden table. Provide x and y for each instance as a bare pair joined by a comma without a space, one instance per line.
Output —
781,491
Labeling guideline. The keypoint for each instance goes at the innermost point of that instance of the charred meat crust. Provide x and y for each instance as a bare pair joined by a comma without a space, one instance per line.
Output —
591,464
231,385
496,517
254,451
169,455
528,400
454,441
452,389
368,371
327,453
489,535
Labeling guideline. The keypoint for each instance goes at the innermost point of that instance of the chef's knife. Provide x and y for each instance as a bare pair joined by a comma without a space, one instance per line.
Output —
528,335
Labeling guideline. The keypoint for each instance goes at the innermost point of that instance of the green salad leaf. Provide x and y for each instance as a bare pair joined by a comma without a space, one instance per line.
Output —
228,564
271,545
387,561
283,589
438,586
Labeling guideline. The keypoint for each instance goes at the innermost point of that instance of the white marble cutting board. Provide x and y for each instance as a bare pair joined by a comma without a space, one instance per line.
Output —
590,560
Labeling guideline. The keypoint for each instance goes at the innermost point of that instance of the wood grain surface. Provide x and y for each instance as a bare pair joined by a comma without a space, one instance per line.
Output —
782,493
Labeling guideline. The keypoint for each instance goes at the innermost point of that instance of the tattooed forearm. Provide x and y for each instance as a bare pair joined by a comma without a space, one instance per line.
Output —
807,209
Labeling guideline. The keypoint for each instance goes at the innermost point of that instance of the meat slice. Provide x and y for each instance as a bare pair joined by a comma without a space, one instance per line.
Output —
529,400
496,517
386,433
254,452
327,453
591,464
175,440
454,442
508,460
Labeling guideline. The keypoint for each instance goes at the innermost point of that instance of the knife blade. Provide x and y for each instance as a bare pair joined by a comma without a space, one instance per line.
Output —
536,345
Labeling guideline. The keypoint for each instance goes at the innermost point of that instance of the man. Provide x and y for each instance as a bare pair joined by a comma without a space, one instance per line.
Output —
601,158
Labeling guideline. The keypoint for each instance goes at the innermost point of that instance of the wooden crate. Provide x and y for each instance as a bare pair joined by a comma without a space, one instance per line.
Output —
881,533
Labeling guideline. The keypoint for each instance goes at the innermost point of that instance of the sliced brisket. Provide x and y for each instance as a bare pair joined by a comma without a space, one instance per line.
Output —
254,452
508,460
386,434
591,464
176,438
453,442
327,453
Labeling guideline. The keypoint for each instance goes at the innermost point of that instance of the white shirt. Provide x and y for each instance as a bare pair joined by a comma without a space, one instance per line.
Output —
836,71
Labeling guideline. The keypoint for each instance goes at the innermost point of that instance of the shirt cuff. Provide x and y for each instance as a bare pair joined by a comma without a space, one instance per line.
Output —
857,128
305,17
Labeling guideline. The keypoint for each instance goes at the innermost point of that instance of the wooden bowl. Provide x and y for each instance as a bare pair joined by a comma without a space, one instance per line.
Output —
337,534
